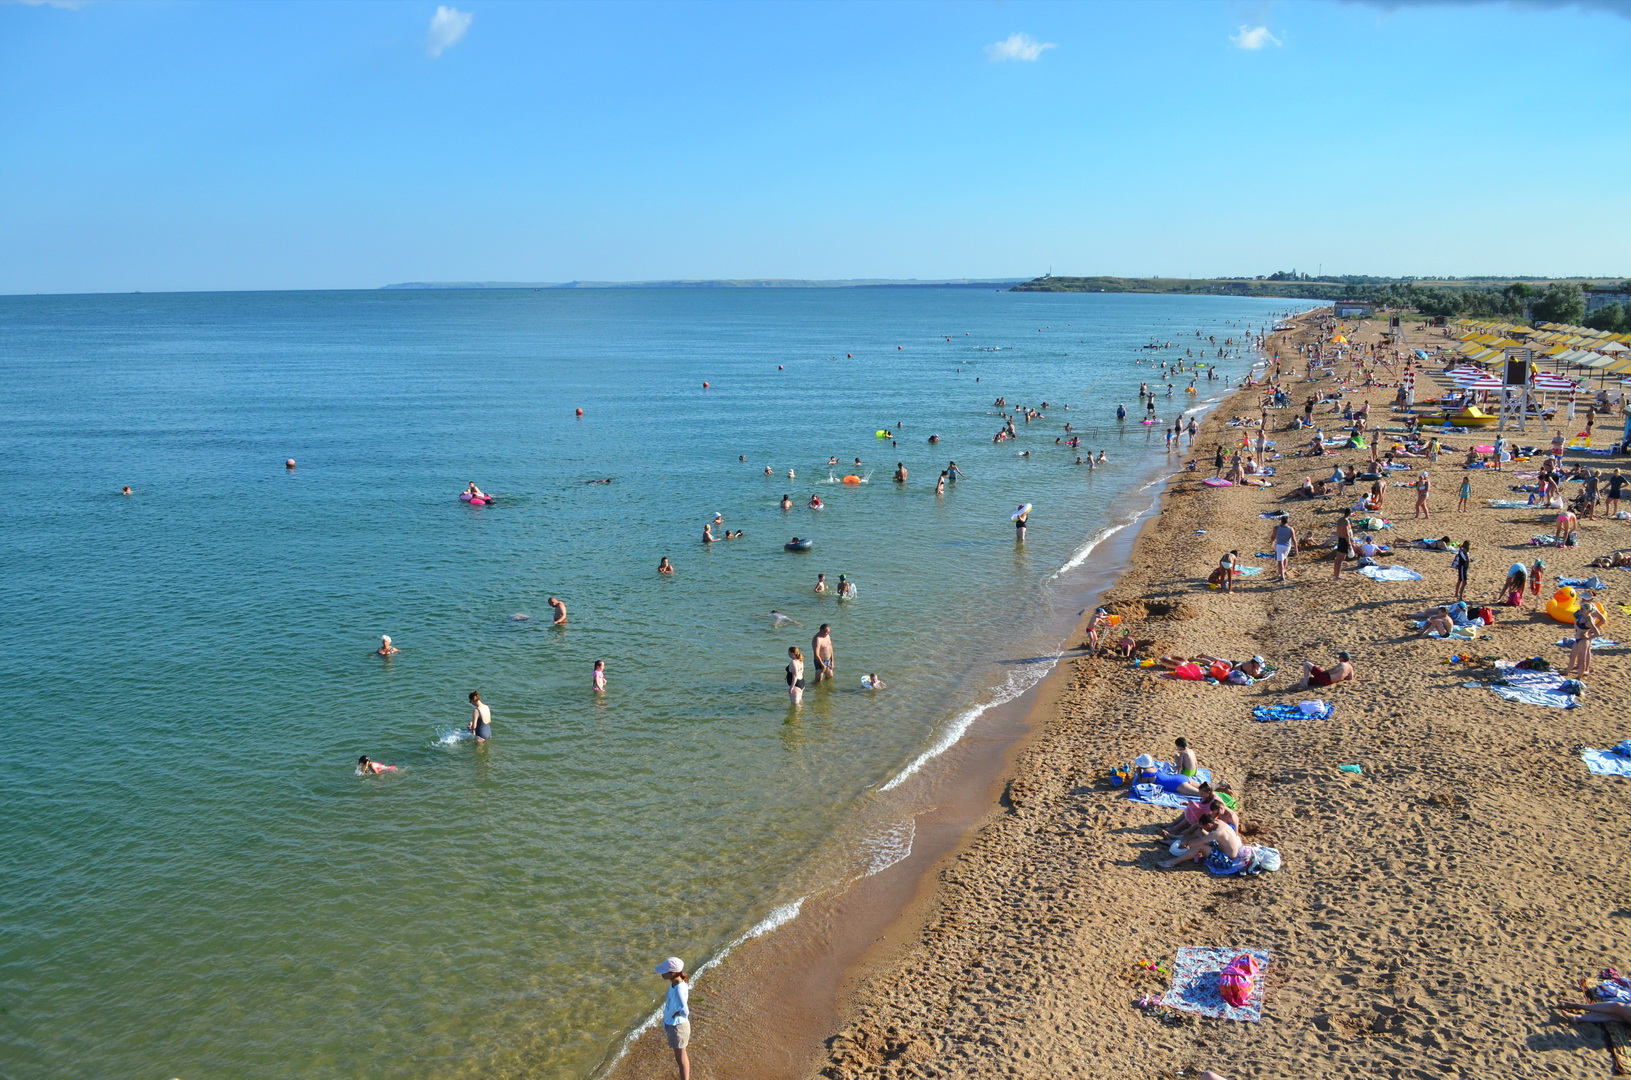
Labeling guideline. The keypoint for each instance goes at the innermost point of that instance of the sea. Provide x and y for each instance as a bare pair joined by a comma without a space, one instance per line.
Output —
198,881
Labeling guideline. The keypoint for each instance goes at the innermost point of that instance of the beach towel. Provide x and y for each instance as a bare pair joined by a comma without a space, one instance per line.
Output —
1533,687
1544,540
1596,643
1267,713
1143,792
1593,582
1607,762
1195,987
1389,573
1507,504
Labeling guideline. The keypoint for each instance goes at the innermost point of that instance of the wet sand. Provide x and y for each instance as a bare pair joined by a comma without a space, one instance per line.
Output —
1429,909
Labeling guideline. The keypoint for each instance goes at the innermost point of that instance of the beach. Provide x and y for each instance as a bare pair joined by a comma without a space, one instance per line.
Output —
1430,907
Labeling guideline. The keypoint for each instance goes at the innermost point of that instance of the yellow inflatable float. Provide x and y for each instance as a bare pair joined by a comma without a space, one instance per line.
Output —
1565,602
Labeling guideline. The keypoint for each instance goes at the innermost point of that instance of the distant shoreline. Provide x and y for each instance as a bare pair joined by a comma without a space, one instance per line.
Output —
1007,284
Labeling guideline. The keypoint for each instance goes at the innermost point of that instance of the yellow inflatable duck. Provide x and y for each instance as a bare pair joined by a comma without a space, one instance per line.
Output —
1565,602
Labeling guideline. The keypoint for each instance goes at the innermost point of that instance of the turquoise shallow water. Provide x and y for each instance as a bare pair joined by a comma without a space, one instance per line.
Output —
197,883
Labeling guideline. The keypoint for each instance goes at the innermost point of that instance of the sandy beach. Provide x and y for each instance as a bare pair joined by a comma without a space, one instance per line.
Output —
1430,908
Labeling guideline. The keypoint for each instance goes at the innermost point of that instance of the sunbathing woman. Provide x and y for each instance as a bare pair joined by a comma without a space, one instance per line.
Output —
1612,562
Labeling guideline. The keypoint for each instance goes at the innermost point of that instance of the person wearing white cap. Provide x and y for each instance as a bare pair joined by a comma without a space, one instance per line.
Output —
677,1012
385,646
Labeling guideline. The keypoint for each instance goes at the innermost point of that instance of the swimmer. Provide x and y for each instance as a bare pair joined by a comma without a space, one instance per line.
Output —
778,620
815,502
1019,523
373,768
475,492
289,464
872,682
940,486
790,475
1101,457
605,481
846,588
385,646
833,460
560,612
126,490
953,473
708,533
481,718
664,566
900,472
737,535
767,470
598,679
787,503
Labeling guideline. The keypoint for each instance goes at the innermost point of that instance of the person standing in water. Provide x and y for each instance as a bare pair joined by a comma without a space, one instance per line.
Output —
677,1012
940,485
1121,412
1019,523
599,677
821,583
952,471
664,566
821,648
481,718
560,612
900,472
795,674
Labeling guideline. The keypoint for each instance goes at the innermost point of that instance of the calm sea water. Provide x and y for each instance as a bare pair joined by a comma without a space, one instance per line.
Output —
197,883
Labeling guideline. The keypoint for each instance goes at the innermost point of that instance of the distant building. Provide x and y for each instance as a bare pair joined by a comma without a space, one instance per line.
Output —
1603,295
1348,309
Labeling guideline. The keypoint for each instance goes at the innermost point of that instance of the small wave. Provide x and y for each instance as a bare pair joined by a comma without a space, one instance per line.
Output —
1016,684
453,737
885,849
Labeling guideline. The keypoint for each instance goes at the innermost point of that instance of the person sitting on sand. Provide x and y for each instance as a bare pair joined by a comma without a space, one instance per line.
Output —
373,768
1437,623
1214,837
1315,676
1203,805
1127,645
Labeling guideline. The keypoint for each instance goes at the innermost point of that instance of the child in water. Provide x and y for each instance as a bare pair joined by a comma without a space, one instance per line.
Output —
372,768
599,677
871,682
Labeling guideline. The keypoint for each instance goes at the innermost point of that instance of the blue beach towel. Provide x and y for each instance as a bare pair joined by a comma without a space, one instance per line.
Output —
1607,762
1596,643
1266,713
1533,688
1195,983
1389,573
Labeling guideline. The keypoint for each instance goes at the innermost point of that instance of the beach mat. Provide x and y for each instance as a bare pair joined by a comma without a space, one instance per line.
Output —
1167,798
1267,713
1195,983
1596,643
1607,762
1389,573
1531,687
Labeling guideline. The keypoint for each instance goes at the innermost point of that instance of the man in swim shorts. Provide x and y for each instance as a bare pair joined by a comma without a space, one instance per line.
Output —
481,718
560,612
821,649
1315,676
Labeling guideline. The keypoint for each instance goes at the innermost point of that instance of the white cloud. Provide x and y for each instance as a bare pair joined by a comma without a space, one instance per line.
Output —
1017,47
1253,37
447,28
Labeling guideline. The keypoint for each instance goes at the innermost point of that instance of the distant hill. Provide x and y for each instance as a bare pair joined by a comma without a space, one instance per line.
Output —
1342,288
740,283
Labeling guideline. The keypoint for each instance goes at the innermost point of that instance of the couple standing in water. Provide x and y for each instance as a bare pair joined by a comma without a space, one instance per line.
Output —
821,651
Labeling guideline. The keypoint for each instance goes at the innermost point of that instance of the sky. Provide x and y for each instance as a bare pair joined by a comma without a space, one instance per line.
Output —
163,145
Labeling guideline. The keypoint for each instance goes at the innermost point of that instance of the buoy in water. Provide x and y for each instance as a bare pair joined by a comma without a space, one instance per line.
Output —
580,412
849,355
705,386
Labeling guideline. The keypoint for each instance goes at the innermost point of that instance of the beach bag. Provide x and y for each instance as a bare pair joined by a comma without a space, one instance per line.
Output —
1264,859
1190,670
1487,615
1220,671
1238,678
1237,981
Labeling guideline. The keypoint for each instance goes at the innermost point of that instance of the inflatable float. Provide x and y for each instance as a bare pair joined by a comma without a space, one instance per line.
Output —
475,500
796,544
852,479
1565,602
1217,481
1021,512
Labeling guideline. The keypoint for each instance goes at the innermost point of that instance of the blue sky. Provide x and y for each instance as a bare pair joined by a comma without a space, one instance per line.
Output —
178,146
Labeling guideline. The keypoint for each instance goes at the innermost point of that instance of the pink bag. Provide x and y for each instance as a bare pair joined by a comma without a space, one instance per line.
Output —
1189,670
1236,982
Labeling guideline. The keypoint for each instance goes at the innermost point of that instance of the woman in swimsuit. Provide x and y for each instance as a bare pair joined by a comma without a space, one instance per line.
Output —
373,768
664,566
1587,625
1461,564
795,674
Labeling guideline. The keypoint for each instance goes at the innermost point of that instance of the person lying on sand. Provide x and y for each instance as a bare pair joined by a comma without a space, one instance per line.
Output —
1612,562
1315,676
1598,1012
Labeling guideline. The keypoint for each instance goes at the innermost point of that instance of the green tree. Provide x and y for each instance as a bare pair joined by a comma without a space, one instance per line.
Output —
1560,303
1610,317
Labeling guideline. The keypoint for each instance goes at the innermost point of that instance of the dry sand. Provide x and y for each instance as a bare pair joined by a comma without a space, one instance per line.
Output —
1428,910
